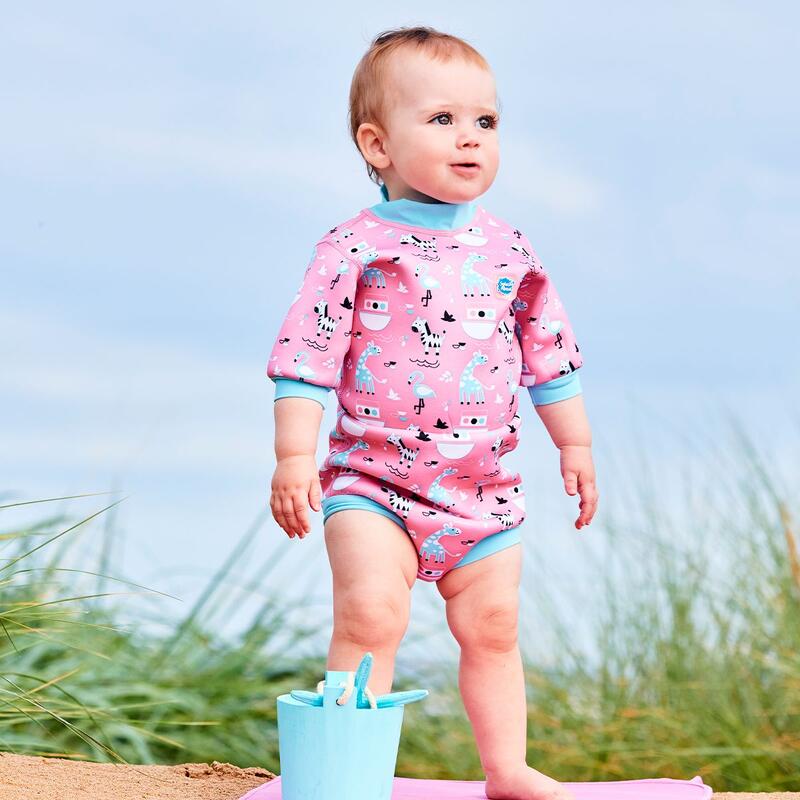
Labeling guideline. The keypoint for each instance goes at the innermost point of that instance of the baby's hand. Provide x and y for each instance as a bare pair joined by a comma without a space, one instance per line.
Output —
577,469
294,485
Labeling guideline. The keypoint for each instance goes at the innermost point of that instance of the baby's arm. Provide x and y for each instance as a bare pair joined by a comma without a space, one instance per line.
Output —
296,478
568,426
566,422
550,359
305,364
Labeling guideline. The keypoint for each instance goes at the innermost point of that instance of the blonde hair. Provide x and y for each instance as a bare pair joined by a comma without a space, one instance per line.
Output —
367,89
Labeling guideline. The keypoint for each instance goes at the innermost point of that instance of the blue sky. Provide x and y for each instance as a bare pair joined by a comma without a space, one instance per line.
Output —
166,169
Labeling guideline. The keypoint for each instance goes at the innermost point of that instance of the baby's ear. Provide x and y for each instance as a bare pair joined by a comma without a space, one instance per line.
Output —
369,138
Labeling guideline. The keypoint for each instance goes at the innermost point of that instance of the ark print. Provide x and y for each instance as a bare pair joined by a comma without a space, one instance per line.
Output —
427,337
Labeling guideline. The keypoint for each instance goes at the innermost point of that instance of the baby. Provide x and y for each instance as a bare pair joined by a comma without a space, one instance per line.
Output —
427,314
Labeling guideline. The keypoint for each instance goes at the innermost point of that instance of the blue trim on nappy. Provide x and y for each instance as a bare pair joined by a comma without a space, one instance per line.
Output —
557,389
485,547
290,387
491,544
342,501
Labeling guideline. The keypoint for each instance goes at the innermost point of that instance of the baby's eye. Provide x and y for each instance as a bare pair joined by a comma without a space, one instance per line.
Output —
490,119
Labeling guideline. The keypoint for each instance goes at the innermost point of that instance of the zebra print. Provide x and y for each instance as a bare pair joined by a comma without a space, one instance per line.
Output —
325,324
400,505
430,340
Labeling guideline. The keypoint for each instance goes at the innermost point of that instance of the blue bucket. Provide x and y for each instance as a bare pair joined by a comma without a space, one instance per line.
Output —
339,752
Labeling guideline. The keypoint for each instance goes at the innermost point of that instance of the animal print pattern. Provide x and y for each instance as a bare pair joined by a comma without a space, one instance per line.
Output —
427,337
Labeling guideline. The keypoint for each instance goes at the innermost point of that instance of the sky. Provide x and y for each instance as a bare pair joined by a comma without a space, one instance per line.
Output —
166,169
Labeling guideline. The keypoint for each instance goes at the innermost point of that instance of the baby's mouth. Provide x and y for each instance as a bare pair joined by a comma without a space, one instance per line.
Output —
466,167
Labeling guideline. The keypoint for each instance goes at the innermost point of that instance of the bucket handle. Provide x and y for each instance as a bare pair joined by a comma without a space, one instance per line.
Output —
356,681
349,686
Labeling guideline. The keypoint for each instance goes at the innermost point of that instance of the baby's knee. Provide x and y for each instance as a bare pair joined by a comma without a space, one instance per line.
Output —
370,619
489,624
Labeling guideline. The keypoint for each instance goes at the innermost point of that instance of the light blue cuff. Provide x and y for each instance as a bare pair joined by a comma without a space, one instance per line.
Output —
558,389
289,387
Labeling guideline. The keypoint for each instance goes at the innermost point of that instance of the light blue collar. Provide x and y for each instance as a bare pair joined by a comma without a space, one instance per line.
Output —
434,216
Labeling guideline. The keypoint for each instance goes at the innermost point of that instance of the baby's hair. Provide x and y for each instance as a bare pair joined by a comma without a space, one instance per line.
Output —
367,94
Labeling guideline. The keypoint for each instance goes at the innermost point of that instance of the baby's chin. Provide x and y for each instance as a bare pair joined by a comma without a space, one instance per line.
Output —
459,195
449,192
459,189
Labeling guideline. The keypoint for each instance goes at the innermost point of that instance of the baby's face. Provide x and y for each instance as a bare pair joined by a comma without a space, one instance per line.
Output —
439,114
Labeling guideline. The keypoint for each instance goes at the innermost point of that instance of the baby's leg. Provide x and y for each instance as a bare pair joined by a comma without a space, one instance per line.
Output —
374,565
482,601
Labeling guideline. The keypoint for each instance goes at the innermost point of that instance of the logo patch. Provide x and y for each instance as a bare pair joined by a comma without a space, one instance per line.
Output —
505,285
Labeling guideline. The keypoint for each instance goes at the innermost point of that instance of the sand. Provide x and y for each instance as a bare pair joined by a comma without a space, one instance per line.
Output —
36,778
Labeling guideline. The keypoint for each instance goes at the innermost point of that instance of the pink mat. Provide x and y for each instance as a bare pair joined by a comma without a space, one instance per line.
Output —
416,789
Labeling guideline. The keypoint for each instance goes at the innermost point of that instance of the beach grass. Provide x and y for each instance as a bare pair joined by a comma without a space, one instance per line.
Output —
695,667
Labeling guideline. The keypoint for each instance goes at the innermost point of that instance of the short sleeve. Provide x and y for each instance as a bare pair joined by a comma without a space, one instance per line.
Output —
314,336
550,354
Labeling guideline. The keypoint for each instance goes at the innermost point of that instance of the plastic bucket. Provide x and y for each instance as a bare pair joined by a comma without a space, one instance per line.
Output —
333,752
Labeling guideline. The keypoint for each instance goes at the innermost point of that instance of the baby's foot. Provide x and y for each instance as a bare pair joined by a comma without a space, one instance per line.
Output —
525,783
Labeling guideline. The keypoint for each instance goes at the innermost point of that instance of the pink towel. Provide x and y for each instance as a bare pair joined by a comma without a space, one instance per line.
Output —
415,789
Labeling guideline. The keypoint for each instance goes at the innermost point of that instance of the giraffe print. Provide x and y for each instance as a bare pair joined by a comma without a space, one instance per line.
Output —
471,279
365,380
468,384
432,546
341,459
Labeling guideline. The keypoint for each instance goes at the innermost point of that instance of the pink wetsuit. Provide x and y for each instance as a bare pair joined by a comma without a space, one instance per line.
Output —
426,319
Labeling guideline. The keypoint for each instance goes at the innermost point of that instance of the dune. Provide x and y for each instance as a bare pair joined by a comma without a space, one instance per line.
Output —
45,778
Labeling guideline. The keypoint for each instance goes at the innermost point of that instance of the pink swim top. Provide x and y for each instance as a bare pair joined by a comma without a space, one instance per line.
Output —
426,319
431,220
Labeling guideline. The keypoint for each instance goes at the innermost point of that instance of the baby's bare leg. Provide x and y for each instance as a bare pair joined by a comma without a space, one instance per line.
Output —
482,600
374,566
